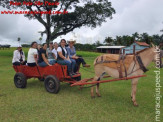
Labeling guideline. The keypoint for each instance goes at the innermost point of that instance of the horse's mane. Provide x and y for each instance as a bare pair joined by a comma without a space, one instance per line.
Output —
138,52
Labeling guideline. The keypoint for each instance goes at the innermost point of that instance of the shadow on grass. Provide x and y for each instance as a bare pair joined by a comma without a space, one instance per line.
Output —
108,96
34,83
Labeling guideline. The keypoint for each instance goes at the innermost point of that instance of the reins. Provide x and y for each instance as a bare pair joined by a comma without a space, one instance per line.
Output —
88,70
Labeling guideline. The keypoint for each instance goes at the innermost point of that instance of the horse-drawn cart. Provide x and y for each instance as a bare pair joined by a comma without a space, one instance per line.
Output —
120,67
53,75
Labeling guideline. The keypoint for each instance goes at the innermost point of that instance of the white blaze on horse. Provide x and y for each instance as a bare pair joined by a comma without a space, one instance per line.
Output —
118,66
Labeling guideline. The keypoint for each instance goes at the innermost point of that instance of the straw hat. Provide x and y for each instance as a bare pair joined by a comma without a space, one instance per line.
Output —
72,41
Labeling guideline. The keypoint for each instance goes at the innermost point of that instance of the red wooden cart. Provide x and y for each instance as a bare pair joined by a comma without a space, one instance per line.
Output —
53,75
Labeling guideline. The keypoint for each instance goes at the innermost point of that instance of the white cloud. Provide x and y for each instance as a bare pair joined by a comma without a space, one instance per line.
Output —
131,16
141,16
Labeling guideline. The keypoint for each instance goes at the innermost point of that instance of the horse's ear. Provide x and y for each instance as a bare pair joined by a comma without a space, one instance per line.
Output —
152,45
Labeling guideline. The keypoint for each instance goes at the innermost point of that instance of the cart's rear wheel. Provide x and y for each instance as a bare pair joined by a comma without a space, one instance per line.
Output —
52,84
20,80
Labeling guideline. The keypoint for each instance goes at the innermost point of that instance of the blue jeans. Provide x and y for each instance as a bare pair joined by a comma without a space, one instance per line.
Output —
43,64
70,65
73,64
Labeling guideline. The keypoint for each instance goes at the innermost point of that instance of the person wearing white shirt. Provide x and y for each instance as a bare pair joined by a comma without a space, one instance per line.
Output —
32,55
64,59
18,56
54,51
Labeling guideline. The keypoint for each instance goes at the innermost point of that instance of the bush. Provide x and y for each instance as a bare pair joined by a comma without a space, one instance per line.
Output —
86,47
25,45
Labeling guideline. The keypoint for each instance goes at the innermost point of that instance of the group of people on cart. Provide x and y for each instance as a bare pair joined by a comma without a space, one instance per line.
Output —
42,55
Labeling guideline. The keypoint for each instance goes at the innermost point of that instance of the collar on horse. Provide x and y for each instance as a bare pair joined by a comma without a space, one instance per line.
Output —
142,67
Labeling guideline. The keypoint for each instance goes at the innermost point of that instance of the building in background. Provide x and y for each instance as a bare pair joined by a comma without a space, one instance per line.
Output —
138,46
110,49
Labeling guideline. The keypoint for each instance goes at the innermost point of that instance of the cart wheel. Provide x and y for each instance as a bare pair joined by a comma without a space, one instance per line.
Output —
41,79
20,80
77,78
52,84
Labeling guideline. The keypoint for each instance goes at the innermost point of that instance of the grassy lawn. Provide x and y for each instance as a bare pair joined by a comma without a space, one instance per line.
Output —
71,104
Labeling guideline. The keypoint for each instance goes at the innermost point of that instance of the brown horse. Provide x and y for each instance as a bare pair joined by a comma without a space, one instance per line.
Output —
134,69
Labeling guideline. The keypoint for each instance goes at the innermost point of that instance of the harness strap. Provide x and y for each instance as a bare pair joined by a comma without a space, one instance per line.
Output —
142,67
124,68
119,65
100,62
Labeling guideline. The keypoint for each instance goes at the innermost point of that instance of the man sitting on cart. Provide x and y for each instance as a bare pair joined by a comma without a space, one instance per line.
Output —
43,60
18,56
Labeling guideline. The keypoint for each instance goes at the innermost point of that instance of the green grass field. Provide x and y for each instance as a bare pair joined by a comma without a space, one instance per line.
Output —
71,104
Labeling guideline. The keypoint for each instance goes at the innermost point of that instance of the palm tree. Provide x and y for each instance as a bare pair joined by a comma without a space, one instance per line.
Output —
19,39
136,36
145,37
108,40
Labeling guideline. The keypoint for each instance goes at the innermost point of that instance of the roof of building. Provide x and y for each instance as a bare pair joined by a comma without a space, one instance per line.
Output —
108,47
142,43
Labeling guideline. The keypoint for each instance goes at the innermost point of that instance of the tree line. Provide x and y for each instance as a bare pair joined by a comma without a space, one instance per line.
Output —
127,40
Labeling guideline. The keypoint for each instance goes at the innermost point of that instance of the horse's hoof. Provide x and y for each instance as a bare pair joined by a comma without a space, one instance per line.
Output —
98,95
136,105
92,97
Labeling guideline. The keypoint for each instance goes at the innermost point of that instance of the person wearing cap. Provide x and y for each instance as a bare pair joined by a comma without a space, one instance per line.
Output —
64,59
18,56
32,55
72,54
50,54
54,51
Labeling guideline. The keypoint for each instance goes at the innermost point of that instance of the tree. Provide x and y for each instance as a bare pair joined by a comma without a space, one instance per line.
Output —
157,40
90,14
146,38
119,40
136,36
97,43
19,39
108,40
40,39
